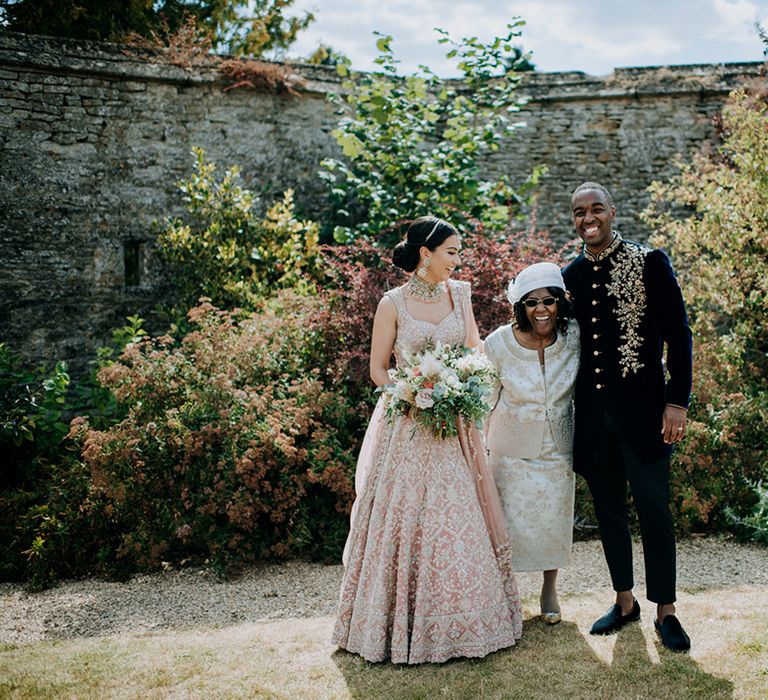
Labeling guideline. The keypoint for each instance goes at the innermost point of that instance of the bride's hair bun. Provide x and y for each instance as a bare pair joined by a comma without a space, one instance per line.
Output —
426,231
405,256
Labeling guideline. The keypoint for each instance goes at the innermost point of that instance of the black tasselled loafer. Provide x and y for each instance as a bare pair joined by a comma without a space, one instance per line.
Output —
614,620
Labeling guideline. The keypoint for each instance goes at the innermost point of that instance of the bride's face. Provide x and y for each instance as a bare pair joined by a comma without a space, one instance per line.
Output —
443,260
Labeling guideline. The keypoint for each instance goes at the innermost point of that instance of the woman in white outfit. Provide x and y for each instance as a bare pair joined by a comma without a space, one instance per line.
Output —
530,430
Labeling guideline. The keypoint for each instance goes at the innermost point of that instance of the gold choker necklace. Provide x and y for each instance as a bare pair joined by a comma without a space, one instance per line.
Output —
428,292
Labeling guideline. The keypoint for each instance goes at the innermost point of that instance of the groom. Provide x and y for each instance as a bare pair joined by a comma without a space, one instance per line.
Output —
628,414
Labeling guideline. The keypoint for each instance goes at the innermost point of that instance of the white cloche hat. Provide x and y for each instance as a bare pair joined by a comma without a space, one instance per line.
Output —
536,276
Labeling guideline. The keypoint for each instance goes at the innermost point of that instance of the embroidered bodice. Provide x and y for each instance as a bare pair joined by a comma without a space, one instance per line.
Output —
413,333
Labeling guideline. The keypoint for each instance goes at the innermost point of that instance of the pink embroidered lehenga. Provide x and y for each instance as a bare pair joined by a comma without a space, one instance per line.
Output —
427,570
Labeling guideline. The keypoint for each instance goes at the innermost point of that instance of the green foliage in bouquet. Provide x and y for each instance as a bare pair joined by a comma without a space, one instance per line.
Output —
226,252
721,251
415,143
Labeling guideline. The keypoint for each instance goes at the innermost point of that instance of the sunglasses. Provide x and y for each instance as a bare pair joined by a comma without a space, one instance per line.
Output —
532,302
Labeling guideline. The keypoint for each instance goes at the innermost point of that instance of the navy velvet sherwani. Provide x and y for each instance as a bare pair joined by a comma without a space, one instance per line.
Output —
628,305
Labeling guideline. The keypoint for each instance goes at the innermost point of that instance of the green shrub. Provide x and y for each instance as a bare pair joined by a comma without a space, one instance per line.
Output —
228,253
32,402
42,485
754,526
720,248
32,426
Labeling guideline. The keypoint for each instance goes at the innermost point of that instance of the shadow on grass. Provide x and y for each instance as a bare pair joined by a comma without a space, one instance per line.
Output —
548,662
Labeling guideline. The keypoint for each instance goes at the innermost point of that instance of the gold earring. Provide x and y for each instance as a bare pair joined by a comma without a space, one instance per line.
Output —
424,269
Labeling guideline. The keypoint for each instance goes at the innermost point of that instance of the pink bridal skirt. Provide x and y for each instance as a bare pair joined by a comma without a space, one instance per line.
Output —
427,567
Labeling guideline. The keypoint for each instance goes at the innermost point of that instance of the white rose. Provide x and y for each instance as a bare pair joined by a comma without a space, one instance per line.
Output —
424,398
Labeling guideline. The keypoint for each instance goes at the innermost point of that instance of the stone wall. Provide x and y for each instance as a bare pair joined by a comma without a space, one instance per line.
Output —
93,138
92,144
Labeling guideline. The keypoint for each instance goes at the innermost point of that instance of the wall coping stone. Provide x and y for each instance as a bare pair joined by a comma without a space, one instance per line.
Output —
108,60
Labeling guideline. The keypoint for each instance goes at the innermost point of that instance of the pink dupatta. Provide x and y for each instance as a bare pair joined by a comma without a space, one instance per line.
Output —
473,447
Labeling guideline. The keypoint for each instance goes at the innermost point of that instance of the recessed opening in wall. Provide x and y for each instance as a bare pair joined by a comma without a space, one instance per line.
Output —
132,259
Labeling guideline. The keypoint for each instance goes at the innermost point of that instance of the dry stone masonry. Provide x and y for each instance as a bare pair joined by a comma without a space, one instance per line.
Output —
94,138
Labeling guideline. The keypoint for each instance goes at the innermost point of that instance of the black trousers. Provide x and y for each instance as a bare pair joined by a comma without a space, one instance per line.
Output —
616,465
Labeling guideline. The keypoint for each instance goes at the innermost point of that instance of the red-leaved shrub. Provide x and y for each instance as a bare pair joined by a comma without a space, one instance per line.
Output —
360,274
232,449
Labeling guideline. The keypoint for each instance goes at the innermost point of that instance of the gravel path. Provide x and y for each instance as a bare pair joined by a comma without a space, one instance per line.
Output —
191,598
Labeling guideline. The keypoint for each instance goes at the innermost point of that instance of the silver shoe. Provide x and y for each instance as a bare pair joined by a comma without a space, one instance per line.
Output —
551,618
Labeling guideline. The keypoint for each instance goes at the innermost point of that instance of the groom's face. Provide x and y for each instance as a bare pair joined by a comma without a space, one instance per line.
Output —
593,218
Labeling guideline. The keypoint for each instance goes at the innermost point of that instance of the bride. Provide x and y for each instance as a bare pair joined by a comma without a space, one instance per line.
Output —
427,570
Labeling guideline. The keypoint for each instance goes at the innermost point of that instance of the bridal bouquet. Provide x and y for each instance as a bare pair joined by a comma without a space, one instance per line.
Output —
439,385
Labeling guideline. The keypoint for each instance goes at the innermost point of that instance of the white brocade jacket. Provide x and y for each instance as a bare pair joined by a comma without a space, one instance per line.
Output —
530,397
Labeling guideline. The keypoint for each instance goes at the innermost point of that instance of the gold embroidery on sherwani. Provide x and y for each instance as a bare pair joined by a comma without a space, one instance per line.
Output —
628,288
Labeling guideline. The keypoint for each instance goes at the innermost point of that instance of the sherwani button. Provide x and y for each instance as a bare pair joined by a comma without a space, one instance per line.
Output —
599,386
595,336
595,286
596,353
596,268
594,302
594,319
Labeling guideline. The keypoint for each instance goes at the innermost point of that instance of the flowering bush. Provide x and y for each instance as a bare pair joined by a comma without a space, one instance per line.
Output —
228,433
230,450
439,386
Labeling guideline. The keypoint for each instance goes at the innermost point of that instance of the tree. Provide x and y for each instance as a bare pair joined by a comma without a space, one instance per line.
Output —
253,27
325,55
763,34
239,27
80,19
520,61
413,144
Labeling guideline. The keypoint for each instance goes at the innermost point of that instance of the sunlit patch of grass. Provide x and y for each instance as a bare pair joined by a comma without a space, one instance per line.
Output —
294,659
